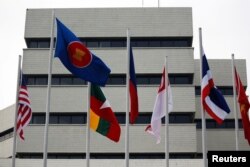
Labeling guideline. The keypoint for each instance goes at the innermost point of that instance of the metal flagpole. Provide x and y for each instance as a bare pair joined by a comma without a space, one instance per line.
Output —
166,116
16,111
158,3
235,108
45,149
204,149
127,104
88,126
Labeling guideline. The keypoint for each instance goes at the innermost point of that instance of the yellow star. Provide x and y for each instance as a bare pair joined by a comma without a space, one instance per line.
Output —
242,108
79,54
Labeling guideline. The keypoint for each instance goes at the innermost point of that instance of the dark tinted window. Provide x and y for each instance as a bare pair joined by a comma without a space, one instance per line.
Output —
78,119
43,44
38,119
64,119
119,42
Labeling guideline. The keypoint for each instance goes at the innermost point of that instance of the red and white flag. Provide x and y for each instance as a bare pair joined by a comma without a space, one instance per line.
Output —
24,110
159,110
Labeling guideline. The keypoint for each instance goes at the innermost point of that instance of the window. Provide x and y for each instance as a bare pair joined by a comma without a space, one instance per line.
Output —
181,78
143,118
43,44
64,119
155,80
41,81
66,81
33,44
6,134
120,42
167,43
53,119
92,44
116,80
38,119
142,43
154,43
181,118
78,119
212,124
142,80
159,155
60,118
105,44
225,90
78,81
55,81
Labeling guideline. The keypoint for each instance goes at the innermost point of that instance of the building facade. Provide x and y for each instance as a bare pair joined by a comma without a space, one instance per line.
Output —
155,34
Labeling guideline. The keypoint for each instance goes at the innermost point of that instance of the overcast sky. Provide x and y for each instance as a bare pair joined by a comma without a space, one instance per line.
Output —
225,24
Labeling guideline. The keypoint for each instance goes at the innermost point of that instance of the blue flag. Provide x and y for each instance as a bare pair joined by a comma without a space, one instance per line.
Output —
77,58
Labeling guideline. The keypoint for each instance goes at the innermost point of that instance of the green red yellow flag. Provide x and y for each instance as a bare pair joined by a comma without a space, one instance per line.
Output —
102,118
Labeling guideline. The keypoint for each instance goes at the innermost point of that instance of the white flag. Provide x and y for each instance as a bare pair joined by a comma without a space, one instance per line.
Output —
159,110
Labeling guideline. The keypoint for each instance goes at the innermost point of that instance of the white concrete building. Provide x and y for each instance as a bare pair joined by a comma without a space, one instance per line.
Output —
155,33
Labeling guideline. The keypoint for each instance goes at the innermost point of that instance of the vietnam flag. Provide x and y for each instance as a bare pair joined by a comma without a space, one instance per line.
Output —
102,118
244,106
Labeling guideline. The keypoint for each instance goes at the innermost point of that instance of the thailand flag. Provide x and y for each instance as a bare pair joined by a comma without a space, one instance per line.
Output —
212,99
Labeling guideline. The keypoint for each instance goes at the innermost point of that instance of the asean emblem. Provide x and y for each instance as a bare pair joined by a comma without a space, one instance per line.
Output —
79,55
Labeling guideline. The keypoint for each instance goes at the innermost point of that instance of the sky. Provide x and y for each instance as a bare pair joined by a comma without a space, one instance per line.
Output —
225,30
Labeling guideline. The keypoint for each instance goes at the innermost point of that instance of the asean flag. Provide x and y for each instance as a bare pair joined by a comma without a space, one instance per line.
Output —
78,59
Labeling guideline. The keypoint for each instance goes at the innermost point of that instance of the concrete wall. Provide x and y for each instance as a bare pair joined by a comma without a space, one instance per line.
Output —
97,22
72,139
73,98
102,163
147,60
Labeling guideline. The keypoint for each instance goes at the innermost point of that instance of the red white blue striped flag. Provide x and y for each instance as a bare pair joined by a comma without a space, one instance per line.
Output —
212,99
24,110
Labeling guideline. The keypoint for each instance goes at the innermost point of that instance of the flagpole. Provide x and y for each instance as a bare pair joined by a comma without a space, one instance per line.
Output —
166,117
88,126
235,108
16,111
45,149
127,104
204,149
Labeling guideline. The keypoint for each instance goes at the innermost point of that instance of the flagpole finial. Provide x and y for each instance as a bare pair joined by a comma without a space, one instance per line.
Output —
232,55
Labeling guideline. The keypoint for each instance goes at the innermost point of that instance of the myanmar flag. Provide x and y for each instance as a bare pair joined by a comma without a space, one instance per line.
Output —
102,118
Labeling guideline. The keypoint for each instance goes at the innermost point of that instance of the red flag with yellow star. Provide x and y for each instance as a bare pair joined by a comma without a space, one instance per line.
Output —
244,106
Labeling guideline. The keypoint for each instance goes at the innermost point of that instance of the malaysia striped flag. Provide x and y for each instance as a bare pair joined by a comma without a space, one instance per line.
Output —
212,99
24,110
